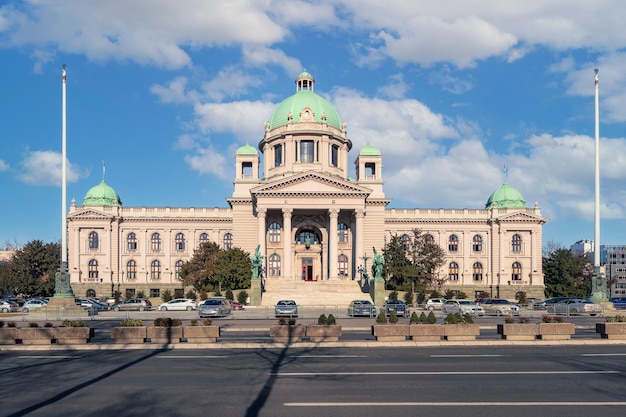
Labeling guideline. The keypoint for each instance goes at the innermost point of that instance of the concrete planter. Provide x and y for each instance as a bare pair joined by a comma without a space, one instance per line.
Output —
72,335
35,335
158,334
287,333
201,334
391,332
322,333
454,332
518,331
135,334
426,332
556,331
8,335
611,330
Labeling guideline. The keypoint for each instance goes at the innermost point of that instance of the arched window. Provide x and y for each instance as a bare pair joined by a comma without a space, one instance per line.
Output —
342,262
429,238
453,243
453,271
93,268
93,240
275,232
516,243
131,269
228,241
155,242
274,265
177,267
155,269
131,242
477,243
406,241
516,273
90,293
477,271
204,238
180,241
307,236
342,233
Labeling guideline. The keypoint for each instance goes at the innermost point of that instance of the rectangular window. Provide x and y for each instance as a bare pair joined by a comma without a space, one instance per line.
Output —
307,152
155,292
334,155
278,155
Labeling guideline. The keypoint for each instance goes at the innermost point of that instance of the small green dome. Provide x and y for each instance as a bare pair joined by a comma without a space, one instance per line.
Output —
292,106
369,150
102,195
247,149
505,197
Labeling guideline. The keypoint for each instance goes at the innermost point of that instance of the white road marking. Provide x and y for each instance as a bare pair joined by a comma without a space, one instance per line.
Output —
468,356
465,404
192,357
48,357
331,356
443,373
603,354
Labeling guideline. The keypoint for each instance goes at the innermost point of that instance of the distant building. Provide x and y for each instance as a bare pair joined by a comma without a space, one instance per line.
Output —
584,248
311,220
614,261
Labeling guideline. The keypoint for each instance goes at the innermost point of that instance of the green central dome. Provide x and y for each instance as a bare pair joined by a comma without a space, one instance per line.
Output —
102,195
505,197
304,96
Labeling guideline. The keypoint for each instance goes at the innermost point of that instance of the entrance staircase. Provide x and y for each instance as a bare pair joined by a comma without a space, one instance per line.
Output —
313,293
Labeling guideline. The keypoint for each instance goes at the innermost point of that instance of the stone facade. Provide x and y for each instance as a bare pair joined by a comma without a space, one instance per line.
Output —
311,220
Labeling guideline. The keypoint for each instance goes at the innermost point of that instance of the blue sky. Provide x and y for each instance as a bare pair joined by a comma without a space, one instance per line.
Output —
165,91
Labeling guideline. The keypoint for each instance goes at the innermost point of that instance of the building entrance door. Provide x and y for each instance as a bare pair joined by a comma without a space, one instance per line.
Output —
307,269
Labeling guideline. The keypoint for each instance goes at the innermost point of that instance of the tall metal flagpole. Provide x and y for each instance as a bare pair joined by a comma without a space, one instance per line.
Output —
598,286
62,289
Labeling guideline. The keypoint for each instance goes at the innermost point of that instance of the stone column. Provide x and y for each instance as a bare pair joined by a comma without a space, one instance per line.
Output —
287,269
261,214
332,243
358,235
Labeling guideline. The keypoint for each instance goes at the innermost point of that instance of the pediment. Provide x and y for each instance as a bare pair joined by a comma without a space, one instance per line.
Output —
88,214
310,183
521,216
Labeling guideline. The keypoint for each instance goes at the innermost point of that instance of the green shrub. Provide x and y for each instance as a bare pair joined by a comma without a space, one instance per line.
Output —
242,297
461,296
131,323
48,324
393,317
72,323
414,318
167,322
381,318
322,320
33,324
609,319
457,318
331,320
393,295
1,323
207,322
166,296
203,295
282,321
11,324
408,298
229,295
431,319
141,294
178,293
193,322
509,320
523,319
291,322
191,294
552,319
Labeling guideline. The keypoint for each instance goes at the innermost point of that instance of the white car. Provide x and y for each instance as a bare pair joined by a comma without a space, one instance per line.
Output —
178,304
434,303
462,306
574,306
499,307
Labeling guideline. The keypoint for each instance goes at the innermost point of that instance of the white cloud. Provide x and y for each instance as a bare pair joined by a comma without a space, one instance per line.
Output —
3,166
45,168
209,161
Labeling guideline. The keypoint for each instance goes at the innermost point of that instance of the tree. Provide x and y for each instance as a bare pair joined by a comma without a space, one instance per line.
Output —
398,267
198,271
233,269
565,274
31,269
428,257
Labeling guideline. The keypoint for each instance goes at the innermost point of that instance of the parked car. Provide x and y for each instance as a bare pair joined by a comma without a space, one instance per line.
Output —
214,307
286,308
361,308
541,305
138,304
499,307
398,306
530,302
33,304
619,303
91,304
7,306
434,303
462,306
178,304
235,305
574,307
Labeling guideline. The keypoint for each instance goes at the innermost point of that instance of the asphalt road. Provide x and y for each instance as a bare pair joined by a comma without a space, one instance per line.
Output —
469,381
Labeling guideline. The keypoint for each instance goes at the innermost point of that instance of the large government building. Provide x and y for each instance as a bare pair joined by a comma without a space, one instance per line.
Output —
313,222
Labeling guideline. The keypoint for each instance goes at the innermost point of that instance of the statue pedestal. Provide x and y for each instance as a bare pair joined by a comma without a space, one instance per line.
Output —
377,292
256,291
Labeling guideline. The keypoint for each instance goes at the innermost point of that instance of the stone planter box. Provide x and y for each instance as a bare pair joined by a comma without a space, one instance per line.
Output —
518,331
556,331
611,330
287,333
201,334
454,332
8,335
390,332
426,332
72,335
35,335
322,333
136,334
158,334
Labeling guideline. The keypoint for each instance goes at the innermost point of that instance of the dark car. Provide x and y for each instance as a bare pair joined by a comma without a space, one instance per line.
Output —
138,304
398,306
619,303
361,308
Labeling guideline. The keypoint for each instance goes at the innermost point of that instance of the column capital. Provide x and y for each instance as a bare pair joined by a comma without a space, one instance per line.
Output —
333,213
287,212
359,212
262,212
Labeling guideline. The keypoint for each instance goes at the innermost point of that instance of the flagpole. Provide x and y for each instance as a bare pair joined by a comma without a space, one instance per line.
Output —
598,286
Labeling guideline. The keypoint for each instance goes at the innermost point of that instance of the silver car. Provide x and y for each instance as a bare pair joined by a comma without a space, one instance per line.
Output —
499,307
361,308
138,304
574,307
214,307
462,306
286,308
